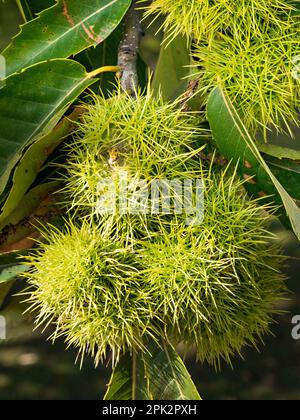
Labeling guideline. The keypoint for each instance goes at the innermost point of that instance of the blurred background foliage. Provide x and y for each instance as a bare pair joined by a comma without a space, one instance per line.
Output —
33,368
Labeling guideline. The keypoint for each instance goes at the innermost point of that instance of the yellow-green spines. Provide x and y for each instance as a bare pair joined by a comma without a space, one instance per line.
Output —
258,75
250,47
216,285
205,19
140,139
213,286
113,281
142,134
91,290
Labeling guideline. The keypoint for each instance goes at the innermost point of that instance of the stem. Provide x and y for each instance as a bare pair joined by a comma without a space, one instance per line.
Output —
20,7
22,235
189,93
134,373
101,70
128,52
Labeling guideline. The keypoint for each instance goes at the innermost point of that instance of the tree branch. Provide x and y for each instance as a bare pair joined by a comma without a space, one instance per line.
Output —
128,51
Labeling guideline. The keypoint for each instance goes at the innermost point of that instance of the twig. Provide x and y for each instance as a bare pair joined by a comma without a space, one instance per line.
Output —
189,93
22,236
213,158
16,236
134,375
128,51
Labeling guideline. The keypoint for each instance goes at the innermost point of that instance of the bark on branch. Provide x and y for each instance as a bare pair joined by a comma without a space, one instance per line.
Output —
128,52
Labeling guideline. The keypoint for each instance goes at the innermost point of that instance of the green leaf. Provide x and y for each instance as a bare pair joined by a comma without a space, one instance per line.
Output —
31,162
157,375
172,68
4,290
9,273
128,381
279,152
287,172
67,28
35,205
10,267
236,144
30,101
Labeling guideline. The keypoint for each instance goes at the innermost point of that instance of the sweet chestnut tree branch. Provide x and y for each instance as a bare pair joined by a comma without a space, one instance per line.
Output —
128,51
